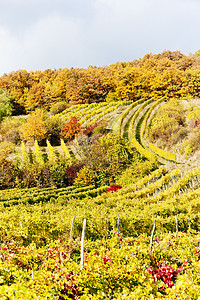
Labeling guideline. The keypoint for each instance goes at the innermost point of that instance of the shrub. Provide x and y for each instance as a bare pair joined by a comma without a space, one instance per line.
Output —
89,130
6,148
165,273
188,149
108,157
85,177
113,188
100,128
5,105
58,107
112,97
193,142
70,129
10,130
58,174
35,175
54,125
8,174
71,173
166,126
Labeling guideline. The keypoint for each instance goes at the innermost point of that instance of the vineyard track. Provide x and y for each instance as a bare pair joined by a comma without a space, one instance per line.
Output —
124,130
169,164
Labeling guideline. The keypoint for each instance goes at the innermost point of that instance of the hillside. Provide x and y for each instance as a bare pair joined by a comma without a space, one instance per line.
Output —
151,182
100,181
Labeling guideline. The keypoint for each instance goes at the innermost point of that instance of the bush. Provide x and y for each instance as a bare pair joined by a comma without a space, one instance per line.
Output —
112,97
58,107
54,125
8,174
89,130
70,130
113,188
100,128
85,177
58,174
193,142
71,173
5,105
10,130
108,157
6,148
35,175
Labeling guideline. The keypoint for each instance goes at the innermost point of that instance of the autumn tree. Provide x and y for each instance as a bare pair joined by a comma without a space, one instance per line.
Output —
85,177
34,97
70,129
54,125
34,128
169,74
10,129
8,173
5,105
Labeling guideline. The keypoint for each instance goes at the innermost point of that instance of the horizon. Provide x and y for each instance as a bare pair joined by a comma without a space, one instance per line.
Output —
97,66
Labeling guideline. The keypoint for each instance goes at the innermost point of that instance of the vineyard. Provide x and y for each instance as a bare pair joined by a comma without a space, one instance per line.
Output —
97,240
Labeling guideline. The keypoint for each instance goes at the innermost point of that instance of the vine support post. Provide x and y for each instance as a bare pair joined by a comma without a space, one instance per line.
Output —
189,223
82,244
21,224
152,233
118,225
176,226
71,231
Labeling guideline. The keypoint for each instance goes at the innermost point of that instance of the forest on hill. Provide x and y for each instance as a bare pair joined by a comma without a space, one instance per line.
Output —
100,181
168,74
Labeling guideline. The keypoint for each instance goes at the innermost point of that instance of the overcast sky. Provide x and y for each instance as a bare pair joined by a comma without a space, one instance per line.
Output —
42,34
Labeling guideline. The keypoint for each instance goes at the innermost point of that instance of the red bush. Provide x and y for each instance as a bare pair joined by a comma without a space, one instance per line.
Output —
113,188
71,128
165,273
71,173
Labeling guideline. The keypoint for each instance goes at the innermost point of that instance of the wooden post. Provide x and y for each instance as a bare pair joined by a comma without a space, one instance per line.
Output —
118,225
71,231
176,226
152,233
189,222
82,244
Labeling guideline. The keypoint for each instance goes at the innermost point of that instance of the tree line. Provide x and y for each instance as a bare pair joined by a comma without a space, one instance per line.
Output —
168,74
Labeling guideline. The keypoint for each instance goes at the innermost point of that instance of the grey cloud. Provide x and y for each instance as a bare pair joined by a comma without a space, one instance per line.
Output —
43,34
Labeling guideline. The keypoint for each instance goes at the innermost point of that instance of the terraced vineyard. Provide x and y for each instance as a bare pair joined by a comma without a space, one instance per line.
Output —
44,253
118,230
131,113
132,122
161,194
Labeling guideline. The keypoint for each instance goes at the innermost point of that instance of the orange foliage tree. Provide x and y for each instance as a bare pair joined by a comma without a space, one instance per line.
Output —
34,128
70,129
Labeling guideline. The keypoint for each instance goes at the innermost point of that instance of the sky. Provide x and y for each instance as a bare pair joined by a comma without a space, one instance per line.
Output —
53,34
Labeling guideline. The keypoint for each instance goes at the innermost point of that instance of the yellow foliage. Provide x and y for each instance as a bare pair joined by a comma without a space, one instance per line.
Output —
168,74
34,128
85,177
